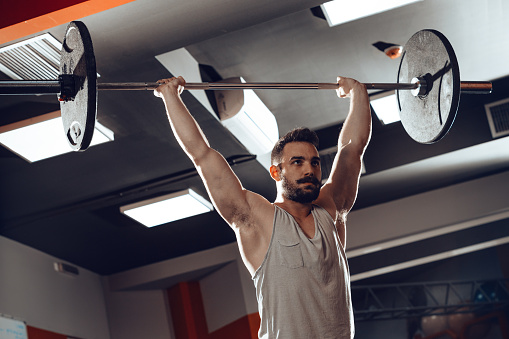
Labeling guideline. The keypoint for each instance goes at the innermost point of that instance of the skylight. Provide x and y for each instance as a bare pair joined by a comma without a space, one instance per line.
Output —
167,208
43,137
340,11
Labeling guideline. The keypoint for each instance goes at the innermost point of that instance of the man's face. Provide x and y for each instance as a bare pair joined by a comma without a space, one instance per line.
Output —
300,172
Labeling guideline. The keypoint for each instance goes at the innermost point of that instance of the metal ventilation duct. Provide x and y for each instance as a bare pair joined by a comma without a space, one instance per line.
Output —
498,117
37,58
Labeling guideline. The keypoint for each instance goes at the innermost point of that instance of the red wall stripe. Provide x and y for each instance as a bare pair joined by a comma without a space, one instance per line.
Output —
198,310
245,328
254,324
37,333
187,312
188,316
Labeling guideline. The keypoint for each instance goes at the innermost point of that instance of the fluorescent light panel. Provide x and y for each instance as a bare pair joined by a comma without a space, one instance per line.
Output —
386,107
44,137
340,11
167,208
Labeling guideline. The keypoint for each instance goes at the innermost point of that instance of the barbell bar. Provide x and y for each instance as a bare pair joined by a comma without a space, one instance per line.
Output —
31,87
427,89
476,87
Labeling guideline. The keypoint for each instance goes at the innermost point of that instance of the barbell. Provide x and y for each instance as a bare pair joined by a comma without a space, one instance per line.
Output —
428,86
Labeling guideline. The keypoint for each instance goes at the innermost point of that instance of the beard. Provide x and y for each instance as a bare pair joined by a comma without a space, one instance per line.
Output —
293,192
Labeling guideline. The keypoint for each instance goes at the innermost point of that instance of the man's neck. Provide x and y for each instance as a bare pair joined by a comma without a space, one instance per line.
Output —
296,209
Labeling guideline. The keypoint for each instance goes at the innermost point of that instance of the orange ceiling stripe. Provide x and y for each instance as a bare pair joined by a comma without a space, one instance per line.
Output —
56,18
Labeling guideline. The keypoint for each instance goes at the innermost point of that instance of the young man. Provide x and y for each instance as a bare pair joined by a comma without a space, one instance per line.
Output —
294,248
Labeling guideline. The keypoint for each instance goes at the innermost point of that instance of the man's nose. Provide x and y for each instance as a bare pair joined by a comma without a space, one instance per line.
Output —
309,170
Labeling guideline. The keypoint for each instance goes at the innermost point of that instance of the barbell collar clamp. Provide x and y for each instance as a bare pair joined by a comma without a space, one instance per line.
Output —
68,88
422,87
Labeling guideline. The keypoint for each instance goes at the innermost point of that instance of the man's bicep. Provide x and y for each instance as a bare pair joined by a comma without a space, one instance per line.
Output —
343,181
223,186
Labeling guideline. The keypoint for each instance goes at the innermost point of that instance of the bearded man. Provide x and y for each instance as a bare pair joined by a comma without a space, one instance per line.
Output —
294,248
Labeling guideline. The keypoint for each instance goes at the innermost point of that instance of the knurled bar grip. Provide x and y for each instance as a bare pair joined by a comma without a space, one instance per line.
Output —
53,86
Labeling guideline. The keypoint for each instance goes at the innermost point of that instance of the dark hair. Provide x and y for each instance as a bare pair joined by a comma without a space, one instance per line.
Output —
301,134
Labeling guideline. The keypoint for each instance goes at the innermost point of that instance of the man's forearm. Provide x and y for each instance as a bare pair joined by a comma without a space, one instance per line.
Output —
357,126
184,126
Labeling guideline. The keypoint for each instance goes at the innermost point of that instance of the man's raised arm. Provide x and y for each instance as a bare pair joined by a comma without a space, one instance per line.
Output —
340,190
248,214
222,184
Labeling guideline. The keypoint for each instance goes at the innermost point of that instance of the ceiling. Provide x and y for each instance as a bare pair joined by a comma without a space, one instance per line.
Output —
67,206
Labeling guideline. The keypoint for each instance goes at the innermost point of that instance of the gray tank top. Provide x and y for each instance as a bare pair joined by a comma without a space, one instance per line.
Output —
303,285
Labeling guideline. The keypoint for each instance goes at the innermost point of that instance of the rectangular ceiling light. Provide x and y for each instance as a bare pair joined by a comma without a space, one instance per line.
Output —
43,137
340,11
385,106
167,208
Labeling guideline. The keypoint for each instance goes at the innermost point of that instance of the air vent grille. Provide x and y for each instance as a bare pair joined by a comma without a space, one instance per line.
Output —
498,117
37,58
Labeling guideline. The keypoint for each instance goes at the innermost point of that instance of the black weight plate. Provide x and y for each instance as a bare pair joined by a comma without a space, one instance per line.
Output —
77,58
427,119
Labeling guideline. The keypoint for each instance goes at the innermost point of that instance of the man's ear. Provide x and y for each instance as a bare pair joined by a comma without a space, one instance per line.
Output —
274,172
